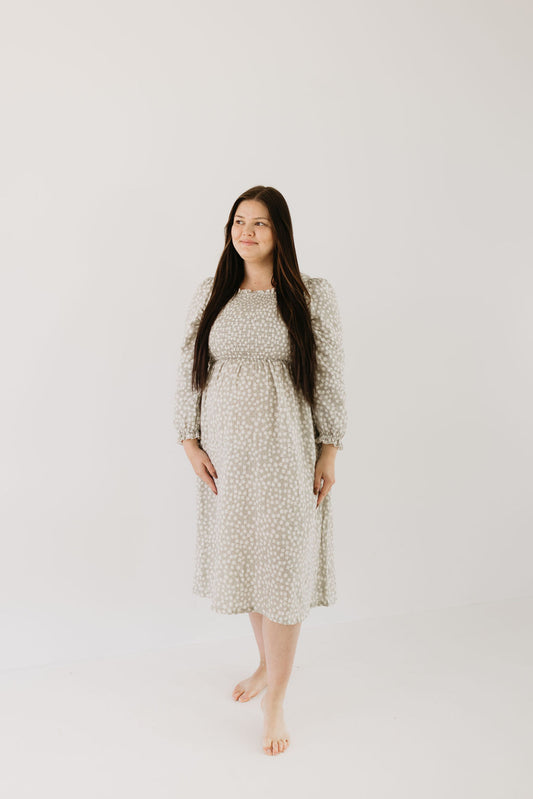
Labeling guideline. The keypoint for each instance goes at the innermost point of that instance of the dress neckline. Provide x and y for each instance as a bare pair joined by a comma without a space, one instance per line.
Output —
259,291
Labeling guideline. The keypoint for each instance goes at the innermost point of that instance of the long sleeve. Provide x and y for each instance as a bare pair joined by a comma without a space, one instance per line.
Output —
187,400
329,408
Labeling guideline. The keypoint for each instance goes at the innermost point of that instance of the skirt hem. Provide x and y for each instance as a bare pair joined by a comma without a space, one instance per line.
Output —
254,609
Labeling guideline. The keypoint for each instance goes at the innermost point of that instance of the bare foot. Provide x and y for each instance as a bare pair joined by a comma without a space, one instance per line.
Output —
276,737
246,689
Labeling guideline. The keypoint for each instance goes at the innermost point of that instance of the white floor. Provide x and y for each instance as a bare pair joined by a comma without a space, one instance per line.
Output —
425,706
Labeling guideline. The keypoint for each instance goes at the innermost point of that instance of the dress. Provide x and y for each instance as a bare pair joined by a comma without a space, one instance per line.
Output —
261,543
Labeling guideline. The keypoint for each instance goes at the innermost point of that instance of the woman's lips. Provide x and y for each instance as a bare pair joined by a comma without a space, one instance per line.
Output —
247,243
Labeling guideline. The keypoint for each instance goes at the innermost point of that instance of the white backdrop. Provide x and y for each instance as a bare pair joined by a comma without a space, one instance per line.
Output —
400,135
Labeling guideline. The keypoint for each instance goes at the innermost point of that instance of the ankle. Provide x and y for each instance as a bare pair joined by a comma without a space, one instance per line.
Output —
273,698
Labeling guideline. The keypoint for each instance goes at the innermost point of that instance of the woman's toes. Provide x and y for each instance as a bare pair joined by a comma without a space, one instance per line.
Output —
250,687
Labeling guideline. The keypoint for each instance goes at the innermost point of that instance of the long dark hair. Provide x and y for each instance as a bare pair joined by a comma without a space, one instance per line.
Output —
291,293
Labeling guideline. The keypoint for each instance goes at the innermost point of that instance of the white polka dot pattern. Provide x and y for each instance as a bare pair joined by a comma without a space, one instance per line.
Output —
261,544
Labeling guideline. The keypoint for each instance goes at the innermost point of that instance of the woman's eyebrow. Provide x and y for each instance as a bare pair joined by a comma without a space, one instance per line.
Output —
253,217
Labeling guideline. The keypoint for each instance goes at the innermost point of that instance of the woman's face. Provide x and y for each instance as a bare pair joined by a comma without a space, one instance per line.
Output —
251,232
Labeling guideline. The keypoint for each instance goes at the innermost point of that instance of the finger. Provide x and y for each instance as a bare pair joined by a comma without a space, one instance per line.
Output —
324,491
211,469
212,485
206,477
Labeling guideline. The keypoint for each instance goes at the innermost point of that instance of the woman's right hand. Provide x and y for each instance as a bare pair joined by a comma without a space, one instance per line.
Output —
201,462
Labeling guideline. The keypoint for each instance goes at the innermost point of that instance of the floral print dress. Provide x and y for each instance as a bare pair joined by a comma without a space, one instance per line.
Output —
261,543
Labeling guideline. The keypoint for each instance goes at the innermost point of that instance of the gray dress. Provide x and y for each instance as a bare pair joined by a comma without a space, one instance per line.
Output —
261,545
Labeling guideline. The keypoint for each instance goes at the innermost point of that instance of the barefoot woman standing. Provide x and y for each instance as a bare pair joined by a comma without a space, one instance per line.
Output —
260,411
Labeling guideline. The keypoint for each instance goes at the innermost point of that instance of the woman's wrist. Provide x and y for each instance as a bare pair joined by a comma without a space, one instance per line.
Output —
329,449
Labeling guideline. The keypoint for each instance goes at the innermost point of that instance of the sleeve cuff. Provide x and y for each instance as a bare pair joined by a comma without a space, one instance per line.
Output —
336,440
193,432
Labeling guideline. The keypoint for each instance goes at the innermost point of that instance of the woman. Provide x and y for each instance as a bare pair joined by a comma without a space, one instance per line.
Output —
260,411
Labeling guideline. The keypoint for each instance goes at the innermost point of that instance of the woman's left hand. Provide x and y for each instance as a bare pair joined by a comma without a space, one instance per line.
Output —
324,471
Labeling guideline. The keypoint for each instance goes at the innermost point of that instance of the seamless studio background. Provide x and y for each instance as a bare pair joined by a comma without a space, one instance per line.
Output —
400,135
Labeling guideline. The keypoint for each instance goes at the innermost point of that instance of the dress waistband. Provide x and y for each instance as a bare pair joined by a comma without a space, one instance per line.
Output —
248,358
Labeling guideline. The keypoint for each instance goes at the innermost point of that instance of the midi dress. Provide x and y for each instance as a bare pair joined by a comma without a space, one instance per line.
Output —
261,543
